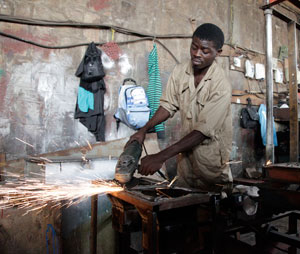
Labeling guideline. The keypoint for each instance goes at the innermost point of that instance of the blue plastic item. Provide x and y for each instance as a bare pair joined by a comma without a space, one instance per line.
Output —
263,125
54,240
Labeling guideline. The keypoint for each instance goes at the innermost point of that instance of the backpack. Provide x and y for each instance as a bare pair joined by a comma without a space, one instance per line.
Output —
92,64
249,116
133,107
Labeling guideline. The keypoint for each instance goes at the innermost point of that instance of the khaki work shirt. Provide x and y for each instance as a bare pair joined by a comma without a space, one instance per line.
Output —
205,108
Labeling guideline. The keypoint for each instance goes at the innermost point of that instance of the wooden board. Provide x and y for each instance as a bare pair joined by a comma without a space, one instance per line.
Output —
240,97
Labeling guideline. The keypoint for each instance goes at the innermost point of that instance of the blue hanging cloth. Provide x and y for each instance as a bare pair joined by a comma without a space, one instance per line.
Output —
263,125
85,99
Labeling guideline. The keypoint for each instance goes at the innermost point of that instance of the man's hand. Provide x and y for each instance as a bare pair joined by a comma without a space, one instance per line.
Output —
139,136
150,164
160,116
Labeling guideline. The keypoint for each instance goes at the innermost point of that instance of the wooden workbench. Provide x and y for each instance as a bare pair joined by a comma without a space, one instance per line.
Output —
149,208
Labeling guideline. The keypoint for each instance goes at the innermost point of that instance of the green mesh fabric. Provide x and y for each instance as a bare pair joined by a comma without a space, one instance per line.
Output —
154,89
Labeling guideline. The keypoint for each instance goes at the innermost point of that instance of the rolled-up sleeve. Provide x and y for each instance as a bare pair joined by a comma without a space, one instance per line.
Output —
214,113
169,99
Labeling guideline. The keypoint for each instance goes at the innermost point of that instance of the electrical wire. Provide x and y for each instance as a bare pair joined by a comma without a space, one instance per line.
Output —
86,43
38,22
143,36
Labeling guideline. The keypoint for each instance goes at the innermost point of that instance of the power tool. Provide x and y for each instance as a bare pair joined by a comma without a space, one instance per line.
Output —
128,162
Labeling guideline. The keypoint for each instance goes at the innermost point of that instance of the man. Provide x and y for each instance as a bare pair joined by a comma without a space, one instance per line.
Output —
200,91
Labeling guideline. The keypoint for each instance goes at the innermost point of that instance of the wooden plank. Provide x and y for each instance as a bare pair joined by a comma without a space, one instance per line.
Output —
293,89
240,97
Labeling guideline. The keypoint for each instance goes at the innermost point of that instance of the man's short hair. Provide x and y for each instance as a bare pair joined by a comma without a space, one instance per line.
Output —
210,32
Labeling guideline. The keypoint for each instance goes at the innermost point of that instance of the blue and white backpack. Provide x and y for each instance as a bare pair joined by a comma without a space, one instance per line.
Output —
133,107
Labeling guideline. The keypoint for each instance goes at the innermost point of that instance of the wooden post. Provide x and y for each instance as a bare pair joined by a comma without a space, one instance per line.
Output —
93,232
293,92
2,163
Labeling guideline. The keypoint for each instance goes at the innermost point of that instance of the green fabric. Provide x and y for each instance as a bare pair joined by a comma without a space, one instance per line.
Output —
154,90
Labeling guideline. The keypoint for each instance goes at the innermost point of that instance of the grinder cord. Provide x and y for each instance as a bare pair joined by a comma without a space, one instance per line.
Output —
159,172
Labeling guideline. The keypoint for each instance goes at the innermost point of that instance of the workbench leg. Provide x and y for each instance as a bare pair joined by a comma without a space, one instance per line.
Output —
150,230
94,222
292,230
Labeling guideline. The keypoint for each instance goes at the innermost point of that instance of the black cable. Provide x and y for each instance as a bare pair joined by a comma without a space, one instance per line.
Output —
37,22
86,43
41,45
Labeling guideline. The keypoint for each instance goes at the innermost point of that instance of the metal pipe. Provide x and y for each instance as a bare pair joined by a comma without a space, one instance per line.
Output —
269,87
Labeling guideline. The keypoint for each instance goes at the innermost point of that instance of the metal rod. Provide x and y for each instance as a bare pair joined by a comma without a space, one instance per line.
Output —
93,231
293,92
269,87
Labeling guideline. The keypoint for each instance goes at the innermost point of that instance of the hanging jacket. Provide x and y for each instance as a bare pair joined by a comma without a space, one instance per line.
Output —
90,100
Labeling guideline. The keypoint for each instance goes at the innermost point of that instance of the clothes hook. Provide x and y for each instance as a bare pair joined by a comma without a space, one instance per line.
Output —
113,34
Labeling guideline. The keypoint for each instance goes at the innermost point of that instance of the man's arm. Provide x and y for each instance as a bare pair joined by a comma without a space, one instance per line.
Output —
152,163
160,116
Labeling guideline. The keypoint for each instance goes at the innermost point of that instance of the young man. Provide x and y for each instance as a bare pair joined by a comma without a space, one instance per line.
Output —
200,91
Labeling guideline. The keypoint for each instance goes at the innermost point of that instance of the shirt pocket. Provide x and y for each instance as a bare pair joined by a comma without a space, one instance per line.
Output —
201,100
200,104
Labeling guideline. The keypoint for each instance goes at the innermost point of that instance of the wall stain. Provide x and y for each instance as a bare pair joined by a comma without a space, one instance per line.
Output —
98,4
11,46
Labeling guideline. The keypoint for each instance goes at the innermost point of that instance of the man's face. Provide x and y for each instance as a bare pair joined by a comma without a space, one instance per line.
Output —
203,53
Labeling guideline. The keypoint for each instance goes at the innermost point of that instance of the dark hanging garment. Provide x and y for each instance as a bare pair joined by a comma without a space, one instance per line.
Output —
91,69
249,116
92,119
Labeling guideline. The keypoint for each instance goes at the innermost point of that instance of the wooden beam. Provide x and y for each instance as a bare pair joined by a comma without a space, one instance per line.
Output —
275,2
240,97
271,3
295,2
293,92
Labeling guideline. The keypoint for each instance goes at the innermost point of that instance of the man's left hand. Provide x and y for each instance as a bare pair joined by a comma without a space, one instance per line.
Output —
150,164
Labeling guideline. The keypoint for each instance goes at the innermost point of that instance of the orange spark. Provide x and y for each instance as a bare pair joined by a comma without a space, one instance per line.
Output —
34,195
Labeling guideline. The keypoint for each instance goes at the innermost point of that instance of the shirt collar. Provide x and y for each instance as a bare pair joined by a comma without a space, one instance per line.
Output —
209,73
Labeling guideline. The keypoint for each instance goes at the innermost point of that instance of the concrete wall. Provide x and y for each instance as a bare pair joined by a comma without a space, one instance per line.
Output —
38,86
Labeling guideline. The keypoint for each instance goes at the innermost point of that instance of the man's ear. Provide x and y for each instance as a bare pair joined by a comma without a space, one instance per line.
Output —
219,51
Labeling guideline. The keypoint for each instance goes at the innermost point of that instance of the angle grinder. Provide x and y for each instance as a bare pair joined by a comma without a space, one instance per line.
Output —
128,162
